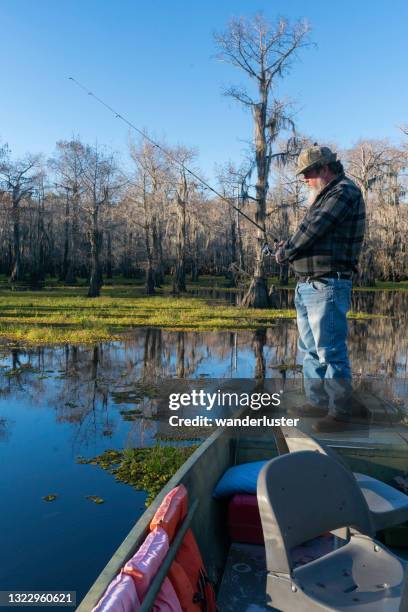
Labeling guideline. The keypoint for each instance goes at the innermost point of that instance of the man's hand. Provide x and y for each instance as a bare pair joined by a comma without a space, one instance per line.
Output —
279,252
279,256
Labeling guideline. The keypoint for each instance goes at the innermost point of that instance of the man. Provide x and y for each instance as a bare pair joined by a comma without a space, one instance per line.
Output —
324,253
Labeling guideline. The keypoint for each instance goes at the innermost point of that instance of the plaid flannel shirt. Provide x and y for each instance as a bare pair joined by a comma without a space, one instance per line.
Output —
331,234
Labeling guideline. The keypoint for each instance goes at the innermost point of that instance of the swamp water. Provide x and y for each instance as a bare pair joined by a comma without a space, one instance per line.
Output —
57,404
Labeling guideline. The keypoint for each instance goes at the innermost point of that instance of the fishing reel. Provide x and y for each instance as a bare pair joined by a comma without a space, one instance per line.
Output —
267,251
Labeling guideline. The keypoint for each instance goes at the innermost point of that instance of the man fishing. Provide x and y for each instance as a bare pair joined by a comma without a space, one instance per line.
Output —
324,253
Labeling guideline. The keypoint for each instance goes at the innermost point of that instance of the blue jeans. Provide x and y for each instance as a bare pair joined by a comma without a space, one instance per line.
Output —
321,318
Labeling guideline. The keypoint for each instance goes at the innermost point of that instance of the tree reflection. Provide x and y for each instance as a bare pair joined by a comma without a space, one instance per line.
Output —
259,341
94,388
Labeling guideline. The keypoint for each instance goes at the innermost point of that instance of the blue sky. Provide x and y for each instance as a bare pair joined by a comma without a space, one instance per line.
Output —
154,61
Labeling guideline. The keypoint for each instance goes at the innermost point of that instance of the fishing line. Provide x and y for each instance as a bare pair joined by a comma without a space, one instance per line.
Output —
174,159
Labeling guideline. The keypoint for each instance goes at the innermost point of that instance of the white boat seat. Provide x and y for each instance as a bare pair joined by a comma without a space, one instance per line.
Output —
302,495
389,506
354,576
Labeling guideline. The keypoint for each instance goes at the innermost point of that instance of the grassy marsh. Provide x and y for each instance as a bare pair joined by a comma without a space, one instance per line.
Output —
59,315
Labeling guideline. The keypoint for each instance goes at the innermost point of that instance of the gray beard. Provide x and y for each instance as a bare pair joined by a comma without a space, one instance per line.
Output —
313,194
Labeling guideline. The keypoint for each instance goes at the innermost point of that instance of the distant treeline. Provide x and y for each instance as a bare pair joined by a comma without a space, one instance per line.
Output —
79,215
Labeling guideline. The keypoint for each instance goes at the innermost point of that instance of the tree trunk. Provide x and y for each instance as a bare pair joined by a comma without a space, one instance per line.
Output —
366,274
39,252
126,265
180,355
65,262
257,295
16,269
149,282
241,262
109,256
73,267
9,259
233,254
157,254
259,341
195,276
180,273
284,275
95,237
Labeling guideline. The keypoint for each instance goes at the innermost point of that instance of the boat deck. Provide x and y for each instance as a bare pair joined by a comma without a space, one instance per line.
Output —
243,584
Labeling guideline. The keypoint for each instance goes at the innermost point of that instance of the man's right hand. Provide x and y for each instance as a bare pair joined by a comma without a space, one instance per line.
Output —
279,256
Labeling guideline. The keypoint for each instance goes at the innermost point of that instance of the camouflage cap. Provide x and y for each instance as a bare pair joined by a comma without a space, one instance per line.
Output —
314,155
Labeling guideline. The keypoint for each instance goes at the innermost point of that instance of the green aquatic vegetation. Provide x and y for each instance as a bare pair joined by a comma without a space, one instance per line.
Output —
59,315
184,437
126,397
135,415
146,469
131,415
24,368
95,499
131,412
135,394
49,498
385,286
365,315
106,460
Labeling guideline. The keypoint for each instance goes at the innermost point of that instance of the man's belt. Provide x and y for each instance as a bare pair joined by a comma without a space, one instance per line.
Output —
339,275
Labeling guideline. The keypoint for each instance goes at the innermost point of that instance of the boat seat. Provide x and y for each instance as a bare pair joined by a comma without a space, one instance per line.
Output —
388,506
301,495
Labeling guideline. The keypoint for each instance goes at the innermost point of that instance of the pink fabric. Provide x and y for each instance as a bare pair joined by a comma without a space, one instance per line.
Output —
167,600
120,596
144,564
125,593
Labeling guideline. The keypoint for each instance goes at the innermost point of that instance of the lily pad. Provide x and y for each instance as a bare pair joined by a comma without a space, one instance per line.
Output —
127,397
49,498
95,499
131,412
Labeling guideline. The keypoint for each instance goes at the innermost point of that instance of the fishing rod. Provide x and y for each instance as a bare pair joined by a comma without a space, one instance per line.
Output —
265,248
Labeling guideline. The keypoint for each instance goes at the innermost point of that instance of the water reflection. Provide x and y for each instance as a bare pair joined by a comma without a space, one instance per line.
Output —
87,387
389,303
58,403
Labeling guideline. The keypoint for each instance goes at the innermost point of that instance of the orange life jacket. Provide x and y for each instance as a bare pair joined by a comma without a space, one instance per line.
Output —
171,511
190,559
184,589
187,573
